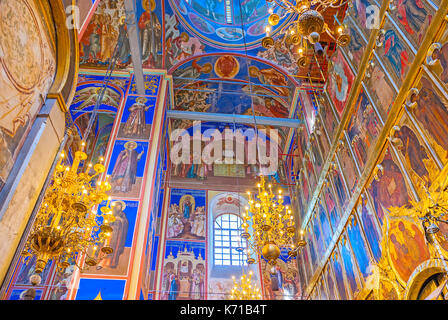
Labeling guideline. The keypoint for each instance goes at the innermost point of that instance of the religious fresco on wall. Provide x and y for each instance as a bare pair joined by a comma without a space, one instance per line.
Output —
268,93
394,52
60,286
116,263
359,247
318,236
184,271
303,267
180,45
326,274
363,129
26,270
349,266
187,215
282,56
340,80
17,294
27,69
414,18
316,155
309,231
137,118
414,154
361,12
347,165
310,172
330,121
87,95
281,282
107,27
264,75
210,164
105,125
339,188
430,110
407,247
370,226
355,49
308,110
388,188
322,138
126,168
437,59
332,208
106,289
336,265
325,224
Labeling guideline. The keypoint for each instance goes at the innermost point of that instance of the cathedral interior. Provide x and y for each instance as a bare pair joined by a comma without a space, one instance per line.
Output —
223,149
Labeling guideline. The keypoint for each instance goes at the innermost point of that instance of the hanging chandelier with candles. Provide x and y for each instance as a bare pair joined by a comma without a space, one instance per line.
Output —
272,226
307,28
245,289
66,224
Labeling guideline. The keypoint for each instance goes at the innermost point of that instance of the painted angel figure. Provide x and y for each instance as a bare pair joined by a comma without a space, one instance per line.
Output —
90,95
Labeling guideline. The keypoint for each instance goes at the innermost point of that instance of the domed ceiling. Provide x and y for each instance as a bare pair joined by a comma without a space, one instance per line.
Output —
226,24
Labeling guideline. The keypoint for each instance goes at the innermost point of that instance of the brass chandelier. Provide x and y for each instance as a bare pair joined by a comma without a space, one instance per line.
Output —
272,226
245,289
66,224
307,28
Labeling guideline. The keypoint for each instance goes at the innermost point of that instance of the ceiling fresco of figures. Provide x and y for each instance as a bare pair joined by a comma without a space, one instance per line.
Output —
213,50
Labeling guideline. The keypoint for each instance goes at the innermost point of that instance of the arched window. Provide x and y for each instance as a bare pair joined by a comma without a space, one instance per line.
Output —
227,240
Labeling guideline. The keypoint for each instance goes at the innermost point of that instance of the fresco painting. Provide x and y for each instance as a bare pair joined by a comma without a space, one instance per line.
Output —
380,87
414,18
395,54
432,115
116,263
406,244
281,282
339,277
370,226
187,215
329,119
355,48
184,271
21,84
389,188
349,266
414,154
137,118
348,166
126,168
359,247
340,81
363,129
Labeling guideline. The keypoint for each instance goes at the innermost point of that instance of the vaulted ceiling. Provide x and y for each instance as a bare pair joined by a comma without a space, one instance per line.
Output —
213,50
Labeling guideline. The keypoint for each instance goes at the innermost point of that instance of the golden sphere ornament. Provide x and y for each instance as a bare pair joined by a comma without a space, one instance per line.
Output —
310,21
270,252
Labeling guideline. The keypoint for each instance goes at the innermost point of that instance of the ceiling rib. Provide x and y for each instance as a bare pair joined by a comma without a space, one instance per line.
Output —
234,118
